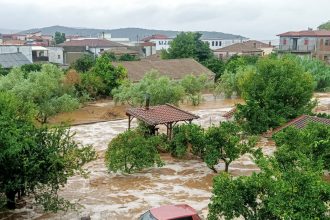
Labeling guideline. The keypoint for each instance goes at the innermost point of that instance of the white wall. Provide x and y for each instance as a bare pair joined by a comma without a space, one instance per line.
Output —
55,55
161,43
25,50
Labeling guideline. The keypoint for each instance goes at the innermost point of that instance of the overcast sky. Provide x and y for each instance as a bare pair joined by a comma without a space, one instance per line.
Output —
259,19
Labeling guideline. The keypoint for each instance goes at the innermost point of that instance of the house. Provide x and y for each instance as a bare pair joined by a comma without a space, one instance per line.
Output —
35,53
266,48
217,43
174,68
161,41
313,43
9,60
148,48
243,49
74,49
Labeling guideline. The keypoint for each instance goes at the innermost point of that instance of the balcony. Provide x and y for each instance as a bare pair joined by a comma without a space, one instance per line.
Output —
297,48
40,59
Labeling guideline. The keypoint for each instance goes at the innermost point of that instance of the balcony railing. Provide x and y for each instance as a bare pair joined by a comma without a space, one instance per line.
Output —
298,48
40,59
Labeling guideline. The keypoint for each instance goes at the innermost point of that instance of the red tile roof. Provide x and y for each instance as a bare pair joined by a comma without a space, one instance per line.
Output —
258,44
156,36
239,48
308,33
146,44
302,122
91,43
161,114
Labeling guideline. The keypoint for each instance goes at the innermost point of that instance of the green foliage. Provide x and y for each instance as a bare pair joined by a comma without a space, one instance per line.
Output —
187,136
227,143
160,88
4,71
319,70
112,77
193,86
128,57
45,89
215,65
324,26
59,37
131,151
84,63
288,186
313,141
35,160
276,91
92,84
188,45
33,67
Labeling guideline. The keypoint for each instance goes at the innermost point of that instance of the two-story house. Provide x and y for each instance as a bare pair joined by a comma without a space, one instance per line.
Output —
315,43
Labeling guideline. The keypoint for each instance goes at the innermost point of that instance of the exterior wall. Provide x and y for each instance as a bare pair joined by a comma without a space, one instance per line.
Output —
55,55
304,44
226,55
266,50
149,50
25,50
214,43
161,43
98,50
70,57
323,49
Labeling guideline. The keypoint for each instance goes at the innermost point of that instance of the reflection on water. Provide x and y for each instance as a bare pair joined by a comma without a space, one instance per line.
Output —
116,196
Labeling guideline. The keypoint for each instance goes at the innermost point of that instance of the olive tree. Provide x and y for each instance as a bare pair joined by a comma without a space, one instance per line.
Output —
45,89
160,88
193,86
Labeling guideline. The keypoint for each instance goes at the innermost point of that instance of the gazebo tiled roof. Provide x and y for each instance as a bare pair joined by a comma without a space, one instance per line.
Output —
303,121
161,114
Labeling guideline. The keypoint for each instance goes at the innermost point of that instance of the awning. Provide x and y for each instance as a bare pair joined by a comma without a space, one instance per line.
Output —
39,48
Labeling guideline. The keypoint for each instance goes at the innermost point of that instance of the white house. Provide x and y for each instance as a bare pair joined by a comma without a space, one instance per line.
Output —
161,41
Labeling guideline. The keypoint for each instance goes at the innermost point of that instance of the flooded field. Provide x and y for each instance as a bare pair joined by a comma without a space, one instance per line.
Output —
114,196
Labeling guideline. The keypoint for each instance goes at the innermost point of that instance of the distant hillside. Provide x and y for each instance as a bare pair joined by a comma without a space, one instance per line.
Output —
131,33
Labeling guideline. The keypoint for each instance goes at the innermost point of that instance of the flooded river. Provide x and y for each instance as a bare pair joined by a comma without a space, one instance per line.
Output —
114,196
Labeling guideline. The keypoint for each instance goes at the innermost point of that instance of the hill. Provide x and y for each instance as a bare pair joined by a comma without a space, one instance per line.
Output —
131,33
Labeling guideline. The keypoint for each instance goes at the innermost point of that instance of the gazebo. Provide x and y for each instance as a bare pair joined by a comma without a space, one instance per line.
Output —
167,115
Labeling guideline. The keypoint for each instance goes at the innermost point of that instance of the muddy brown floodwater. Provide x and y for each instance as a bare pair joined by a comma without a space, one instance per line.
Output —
105,195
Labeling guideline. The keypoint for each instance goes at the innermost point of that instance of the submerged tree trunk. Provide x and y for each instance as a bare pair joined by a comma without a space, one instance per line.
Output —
214,170
226,166
10,200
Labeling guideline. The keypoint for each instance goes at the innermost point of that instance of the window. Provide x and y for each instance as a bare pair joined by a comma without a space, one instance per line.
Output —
327,42
220,43
306,41
216,43
101,50
284,41
58,56
212,43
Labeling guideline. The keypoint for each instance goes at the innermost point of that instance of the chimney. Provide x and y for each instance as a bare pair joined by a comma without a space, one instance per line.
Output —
147,101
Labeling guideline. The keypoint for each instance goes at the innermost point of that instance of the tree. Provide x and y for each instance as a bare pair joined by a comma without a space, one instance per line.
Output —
36,160
324,26
276,91
59,37
313,141
215,65
283,189
3,71
131,151
187,137
188,45
193,86
111,76
33,67
128,57
226,142
45,89
84,63
161,89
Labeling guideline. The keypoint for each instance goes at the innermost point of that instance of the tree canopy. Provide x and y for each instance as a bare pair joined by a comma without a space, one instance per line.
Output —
324,26
45,89
59,37
36,160
290,184
131,151
277,90
188,45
